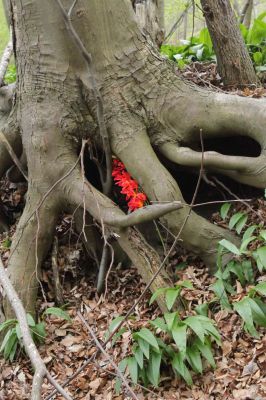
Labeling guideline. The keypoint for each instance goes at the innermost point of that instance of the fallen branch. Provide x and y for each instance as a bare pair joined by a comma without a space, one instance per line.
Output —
101,349
38,365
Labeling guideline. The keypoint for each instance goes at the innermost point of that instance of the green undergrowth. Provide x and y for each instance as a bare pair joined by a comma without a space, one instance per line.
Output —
200,48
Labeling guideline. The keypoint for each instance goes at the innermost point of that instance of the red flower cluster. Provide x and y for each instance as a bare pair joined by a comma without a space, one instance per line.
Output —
129,186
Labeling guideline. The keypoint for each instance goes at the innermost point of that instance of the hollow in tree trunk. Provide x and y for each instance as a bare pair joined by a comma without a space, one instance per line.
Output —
148,111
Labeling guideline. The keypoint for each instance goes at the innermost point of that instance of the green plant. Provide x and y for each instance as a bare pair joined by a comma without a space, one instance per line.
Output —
13,337
11,74
171,293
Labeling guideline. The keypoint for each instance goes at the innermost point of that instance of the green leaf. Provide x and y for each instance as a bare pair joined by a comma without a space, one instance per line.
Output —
258,57
258,315
263,234
30,320
248,233
145,347
153,371
235,219
139,356
261,251
230,247
171,296
243,308
179,365
7,324
157,293
241,223
246,242
18,331
195,324
149,337
179,332
236,268
5,340
224,210
202,309
261,288
194,359
205,349
58,312
159,323
113,325
133,369
248,270
219,289
13,351
12,339
170,319
39,332
186,284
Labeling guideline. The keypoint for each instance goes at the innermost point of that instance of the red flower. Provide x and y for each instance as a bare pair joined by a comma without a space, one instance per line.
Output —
129,186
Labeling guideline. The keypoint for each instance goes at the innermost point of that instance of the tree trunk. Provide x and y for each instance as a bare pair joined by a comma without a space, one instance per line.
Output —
150,16
148,110
246,14
234,63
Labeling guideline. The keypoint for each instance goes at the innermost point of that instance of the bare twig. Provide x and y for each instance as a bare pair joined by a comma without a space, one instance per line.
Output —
100,347
179,20
35,358
107,183
57,285
6,58
12,154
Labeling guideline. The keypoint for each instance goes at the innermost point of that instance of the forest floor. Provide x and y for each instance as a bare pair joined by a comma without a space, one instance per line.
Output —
241,360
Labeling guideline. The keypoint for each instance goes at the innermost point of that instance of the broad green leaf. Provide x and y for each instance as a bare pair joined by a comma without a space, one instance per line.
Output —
58,312
241,223
7,324
18,331
230,247
179,332
261,288
194,359
133,369
205,349
243,308
13,351
118,334
157,293
236,268
248,270
170,318
149,337
245,243
179,365
202,309
261,251
258,315
219,289
235,219
39,331
224,210
249,232
171,296
195,324
186,284
263,234
159,323
145,347
10,343
139,356
5,340
30,320
153,371
113,325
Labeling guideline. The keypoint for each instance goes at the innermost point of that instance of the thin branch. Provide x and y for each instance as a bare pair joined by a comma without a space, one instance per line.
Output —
12,154
57,284
178,22
6,58
30,347
107,183
101,349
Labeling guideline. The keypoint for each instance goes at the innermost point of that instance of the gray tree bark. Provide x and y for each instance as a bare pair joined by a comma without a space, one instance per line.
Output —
147,110
234,63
